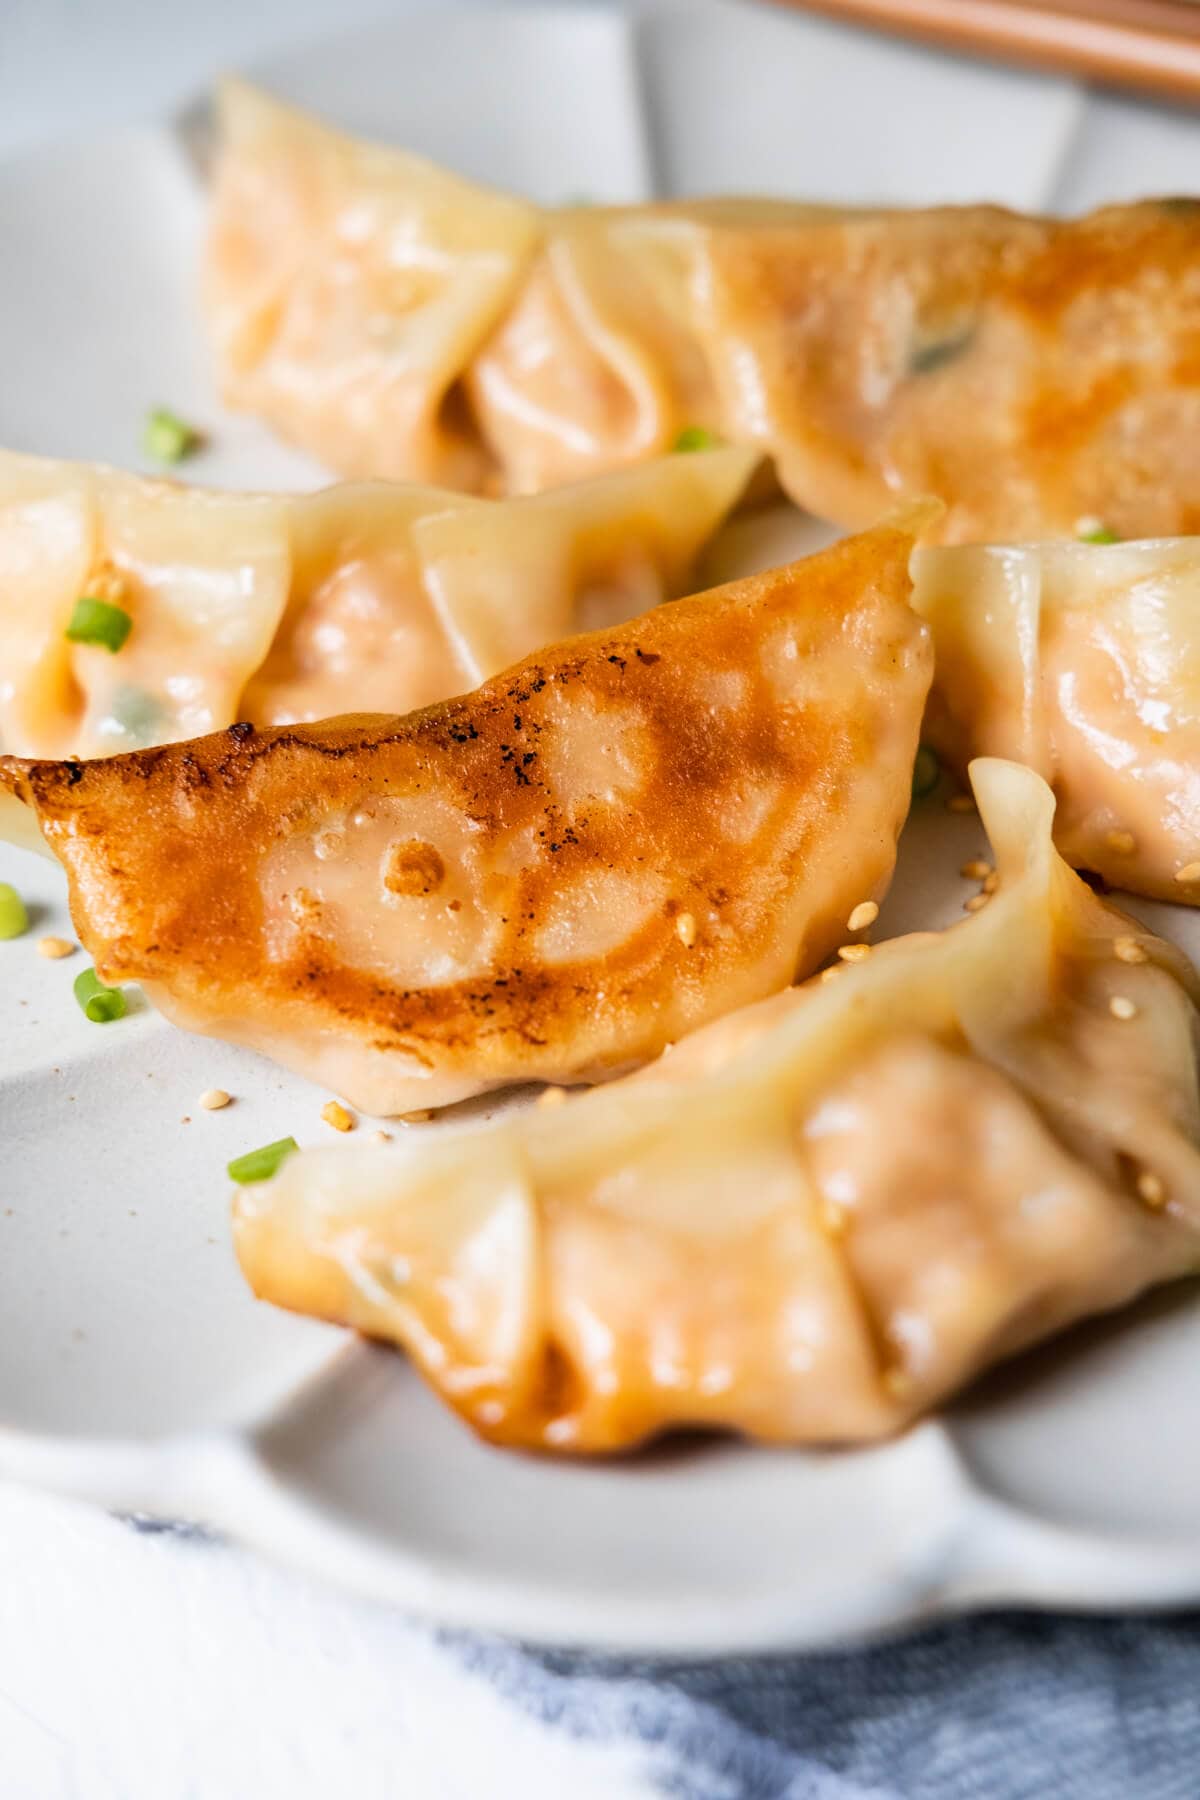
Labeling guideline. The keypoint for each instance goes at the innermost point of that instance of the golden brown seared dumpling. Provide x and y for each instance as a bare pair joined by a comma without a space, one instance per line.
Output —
1082,661
1030,371
275,609
811,1221
550,878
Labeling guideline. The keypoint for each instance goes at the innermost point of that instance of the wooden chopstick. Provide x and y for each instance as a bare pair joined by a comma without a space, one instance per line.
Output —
1149,44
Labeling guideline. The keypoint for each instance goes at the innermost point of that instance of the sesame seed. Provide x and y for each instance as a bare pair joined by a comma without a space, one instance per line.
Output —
1122,1008
1150,1188
213,1099
54,947
828,974
380,1137
104,583
976,869
1123,842
960,803
1128,950
420,1116
335,1114
304,906
833,1218
864,914
1189,872
898,1383
991,882
685,930
551,1096
975,902
853,952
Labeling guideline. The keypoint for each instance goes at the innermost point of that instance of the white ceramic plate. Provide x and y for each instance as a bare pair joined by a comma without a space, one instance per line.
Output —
134,1367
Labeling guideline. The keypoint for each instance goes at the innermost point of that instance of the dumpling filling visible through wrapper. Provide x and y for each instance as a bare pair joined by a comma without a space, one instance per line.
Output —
281,608
1081,661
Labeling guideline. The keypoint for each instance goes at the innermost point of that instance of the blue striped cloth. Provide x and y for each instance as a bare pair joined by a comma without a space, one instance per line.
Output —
1010,1706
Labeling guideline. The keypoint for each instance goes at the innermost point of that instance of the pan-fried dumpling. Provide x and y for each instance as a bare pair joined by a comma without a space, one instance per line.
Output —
813,1220
549,878
1082,661
277,609
1031,371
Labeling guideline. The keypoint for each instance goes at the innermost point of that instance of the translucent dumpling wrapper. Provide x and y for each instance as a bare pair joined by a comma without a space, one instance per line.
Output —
811,1221
274,609
549,878
1082,661
349,285
1031,371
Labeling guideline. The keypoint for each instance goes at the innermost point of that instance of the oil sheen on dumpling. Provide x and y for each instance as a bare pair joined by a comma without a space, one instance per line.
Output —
273,609
1031,371
811,1221
1083,661
549,878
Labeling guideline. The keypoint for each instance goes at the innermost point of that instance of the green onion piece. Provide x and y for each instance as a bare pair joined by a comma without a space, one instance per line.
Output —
260,1165
935,352
695,437
1100,534
100,1004
99,622
13,917
167,438
927,772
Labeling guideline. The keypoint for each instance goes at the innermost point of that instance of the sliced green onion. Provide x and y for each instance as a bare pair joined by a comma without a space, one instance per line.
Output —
100,1004
99,622
13,917
260,1165
927,771
935,352
167,438
1092,530
695,437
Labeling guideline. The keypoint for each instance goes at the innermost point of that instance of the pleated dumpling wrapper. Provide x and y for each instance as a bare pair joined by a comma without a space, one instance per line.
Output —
547,879
811,1221
398,321
278,608
348,285
1082,661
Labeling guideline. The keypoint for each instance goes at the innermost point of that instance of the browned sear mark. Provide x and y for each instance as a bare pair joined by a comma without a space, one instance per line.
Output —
413,868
